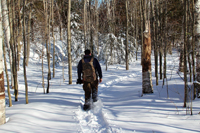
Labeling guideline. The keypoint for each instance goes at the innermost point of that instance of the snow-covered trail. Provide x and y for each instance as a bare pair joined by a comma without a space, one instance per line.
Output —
96,119
120,108
125,110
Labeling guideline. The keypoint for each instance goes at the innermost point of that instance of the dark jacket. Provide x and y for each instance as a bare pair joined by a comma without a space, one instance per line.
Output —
96,65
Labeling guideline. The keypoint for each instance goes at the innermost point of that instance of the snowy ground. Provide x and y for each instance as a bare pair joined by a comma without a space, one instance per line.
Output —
120,109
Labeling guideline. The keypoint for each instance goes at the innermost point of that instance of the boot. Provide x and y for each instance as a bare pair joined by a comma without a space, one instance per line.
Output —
86,107
94,95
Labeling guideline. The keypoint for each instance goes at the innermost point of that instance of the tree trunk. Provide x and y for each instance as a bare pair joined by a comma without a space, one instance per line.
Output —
2,89
197,5
156,41
29,36
96,27
69,41
7,77
18,34
5,21
91,28
141,29
165,41
14,54
193,47
24,61
147,86
52,23
9,45
85,26
127,20
161,40
136,30
181,63
45,3
185,53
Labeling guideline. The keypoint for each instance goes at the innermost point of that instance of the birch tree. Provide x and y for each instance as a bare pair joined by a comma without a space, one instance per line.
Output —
5,20
7,77
2,89
197,5
147,86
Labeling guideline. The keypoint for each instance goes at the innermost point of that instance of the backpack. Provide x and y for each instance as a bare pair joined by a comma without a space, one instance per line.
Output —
89,74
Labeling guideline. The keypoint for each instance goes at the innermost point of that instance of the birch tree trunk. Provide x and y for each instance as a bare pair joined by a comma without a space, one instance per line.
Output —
69,41
7,33
2,89
197,5
7,77
147,86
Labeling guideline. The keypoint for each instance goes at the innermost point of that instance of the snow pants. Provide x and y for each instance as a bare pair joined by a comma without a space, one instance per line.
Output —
90,88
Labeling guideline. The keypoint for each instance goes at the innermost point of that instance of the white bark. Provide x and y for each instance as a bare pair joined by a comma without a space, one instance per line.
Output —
198,16
198,45
5,22
2,90
147,86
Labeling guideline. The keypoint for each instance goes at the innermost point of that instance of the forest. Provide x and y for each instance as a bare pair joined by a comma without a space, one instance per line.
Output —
116,31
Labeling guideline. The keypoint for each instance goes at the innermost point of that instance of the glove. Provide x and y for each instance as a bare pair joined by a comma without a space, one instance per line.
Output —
79,81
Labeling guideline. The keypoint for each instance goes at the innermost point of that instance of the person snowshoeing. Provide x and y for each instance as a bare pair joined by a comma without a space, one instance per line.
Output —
90,70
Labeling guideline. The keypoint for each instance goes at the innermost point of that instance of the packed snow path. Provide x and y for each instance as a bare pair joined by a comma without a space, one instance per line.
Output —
95,120
92,121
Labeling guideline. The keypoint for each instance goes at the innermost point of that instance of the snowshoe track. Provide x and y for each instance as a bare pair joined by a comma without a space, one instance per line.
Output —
93,120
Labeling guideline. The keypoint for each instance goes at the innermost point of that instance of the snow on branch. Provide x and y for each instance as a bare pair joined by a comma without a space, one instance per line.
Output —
196,82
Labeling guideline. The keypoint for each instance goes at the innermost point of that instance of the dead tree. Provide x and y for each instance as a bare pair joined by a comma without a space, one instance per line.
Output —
147,86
